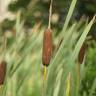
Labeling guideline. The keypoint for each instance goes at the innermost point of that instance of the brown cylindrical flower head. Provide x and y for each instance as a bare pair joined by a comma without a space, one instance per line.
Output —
47,47
82,53
2,72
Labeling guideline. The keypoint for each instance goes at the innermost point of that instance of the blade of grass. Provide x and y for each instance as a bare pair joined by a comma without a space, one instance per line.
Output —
93,88
69,15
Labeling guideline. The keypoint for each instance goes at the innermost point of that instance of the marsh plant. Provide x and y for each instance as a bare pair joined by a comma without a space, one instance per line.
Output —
23,56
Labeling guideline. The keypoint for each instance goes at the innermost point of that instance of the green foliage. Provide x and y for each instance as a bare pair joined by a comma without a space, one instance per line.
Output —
7,24
37,10
24,54
23,64
64,63
89,81
19,4
88,7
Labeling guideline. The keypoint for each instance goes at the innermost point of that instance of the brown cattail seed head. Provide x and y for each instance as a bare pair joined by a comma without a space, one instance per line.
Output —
47,47
82,53
2,72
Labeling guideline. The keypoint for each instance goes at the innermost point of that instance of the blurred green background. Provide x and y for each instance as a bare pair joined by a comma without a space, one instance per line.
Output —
34,11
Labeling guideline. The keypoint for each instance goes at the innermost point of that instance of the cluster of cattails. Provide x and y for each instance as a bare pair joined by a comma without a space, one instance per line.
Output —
47,49
3,66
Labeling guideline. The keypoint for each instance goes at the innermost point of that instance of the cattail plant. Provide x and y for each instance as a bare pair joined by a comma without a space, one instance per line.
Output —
47,41
47,44
24,60
47,49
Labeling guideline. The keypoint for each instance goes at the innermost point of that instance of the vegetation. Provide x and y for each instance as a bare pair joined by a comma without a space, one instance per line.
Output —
22,52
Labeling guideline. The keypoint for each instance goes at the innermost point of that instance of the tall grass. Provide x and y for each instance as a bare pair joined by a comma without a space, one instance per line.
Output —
23,56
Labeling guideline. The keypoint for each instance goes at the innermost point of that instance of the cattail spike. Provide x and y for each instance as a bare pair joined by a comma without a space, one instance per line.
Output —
45,73
47,47
2,72
82,53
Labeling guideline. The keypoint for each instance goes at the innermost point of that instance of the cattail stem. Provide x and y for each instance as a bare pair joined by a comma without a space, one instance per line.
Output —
78,72
77,68
45,73
1,90
68,84
44,78
50,15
